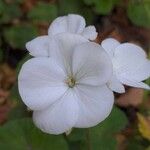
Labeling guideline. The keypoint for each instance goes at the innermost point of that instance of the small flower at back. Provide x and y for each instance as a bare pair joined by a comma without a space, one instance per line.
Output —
71,23
130,65
69,88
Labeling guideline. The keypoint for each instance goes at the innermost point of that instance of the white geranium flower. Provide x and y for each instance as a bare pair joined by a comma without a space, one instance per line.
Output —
72,23
68,89
130,65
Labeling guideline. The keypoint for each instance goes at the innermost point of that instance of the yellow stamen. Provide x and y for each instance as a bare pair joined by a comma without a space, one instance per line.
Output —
71,82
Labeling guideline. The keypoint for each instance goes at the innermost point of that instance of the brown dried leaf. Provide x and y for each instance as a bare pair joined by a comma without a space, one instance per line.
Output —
7,76
4,110
121,141
3,96
132,97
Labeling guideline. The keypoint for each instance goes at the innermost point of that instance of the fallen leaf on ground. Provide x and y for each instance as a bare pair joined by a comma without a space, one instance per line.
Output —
121,142
4,110
143,126
132,97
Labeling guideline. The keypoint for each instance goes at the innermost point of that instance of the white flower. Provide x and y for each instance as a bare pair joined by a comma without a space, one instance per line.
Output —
68,89
72,23
130,65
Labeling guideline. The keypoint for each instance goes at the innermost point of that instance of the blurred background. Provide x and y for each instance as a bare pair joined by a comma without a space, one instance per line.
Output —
127,127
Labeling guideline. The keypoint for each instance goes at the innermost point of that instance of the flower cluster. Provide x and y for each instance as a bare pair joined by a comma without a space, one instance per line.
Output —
70,80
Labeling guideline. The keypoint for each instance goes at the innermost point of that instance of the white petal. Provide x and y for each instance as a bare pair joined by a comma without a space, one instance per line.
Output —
127,56
139,73
91,64
76,23
89,33
109,45
115,85
59,25
59,117
71,24
131,65
38,46
94,106
133,83
62,47
41,82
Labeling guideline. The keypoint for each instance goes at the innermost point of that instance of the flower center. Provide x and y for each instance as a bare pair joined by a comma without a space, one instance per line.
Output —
71,82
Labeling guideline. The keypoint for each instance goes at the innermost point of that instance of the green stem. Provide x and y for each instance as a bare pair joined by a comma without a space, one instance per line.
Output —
89,147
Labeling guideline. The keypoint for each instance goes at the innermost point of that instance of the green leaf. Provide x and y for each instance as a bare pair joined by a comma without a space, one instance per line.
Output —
102,6
89,2
77,135
136,143
138,12
147,92
66,7
105,132
115,122
72,6
77,139
9,12
17,36
148,148
43,12
19,110
14,91
101,137
1,55
1,7
23,135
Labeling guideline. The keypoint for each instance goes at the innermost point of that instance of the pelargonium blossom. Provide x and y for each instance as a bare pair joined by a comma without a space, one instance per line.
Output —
130,65
71,23
68,89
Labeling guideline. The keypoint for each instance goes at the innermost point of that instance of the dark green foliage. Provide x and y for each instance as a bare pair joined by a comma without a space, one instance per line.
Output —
1,55
17,36
102,134
102,6
9,12
139,12
43,12
18,26
23,135
75,6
